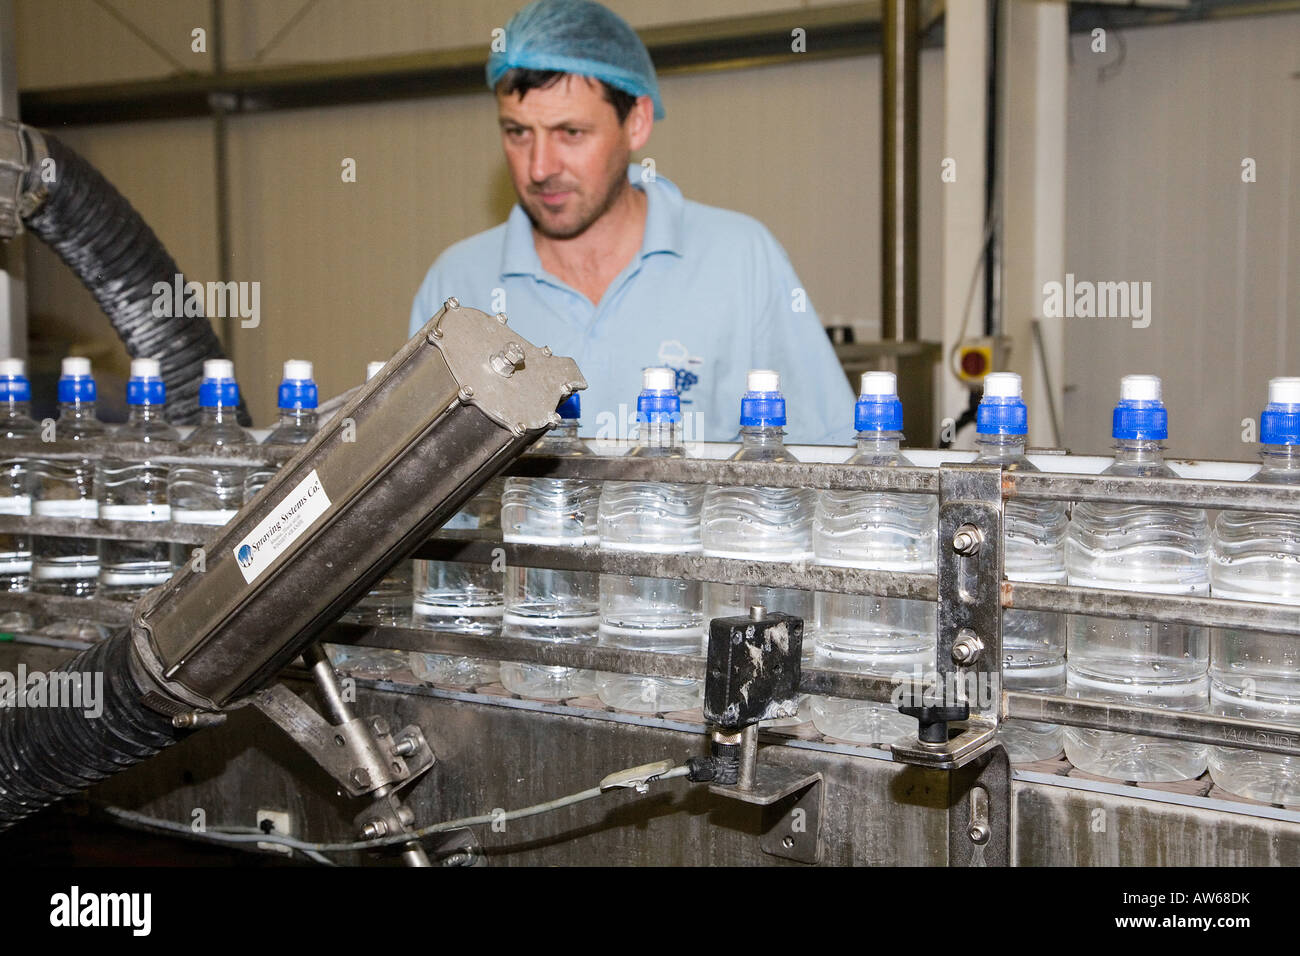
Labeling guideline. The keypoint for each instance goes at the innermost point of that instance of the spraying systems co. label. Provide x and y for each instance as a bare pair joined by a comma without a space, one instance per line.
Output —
291,516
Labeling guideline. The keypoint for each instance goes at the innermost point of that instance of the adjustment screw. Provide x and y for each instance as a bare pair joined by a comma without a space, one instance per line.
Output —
979,833
451,303
967,648
466,392
501,317
967,540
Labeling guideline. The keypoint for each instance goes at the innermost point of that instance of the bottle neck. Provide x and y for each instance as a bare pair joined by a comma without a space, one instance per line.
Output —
1279,458
217,414
659,434
1140,451
77,410
1000,446
878,442
765,436
142,414
298,417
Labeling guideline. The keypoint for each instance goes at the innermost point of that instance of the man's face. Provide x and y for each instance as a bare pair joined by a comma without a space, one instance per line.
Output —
568,153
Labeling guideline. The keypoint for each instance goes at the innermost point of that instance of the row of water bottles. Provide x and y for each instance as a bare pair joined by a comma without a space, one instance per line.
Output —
1117,546
103,486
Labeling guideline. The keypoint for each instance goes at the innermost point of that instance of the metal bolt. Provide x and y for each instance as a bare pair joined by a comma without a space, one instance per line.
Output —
459,859
546,350
787,842
374,830
451,303
501,317
979,833
379,726
466,392
967,540
508,359
406,746
967,648
554,418
361,777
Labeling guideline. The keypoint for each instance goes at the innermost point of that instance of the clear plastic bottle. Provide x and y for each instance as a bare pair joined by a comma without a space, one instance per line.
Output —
15,486
888,637
652,614
297,400
1033,534
760,524
136,491
200,494
1256,557
461,597
1132,662
65,488
542,604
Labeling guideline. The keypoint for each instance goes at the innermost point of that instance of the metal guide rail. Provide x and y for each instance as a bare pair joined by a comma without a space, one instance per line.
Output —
977,492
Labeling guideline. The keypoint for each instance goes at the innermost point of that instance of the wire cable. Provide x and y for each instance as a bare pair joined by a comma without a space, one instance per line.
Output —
241,835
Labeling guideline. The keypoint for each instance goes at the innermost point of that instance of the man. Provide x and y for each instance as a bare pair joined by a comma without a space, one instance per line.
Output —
605,261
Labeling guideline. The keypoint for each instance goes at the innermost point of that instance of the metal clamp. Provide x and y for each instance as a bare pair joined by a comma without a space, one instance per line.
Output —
362,756
968,657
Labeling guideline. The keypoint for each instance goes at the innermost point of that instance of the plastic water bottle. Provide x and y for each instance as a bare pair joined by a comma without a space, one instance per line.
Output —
542,604
200,494
652,614
15,484
760,524
1033,533
66,489
1131,662
1256,557
888,637
136,491
461,597
297,400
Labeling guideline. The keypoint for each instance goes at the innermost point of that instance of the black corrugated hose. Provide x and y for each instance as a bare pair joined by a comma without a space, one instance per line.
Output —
101,237
50,752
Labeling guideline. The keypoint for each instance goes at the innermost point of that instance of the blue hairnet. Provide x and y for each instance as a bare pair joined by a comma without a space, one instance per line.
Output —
577,36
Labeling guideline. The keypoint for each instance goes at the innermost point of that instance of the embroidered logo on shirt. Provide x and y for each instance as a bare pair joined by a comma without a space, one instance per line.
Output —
678,357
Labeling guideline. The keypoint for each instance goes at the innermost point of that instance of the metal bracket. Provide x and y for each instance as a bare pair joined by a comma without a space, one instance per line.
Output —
360,755
968,658
979,815
792,803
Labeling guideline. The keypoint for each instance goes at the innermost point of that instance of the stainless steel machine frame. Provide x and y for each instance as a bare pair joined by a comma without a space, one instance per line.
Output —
955,803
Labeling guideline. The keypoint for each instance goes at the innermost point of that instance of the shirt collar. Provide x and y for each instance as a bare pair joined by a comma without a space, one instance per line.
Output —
663,225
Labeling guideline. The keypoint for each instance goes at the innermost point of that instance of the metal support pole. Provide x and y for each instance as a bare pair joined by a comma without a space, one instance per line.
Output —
899,94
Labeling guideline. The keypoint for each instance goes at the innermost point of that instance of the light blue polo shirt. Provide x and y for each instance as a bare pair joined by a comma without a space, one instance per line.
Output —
711,294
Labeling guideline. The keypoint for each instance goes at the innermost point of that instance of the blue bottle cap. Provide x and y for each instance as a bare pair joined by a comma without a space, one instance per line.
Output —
145,387
878,408
14,386
570,408
763,405
1140,414
297,390
76,384
1002,410
218,388
1279,424
658,401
